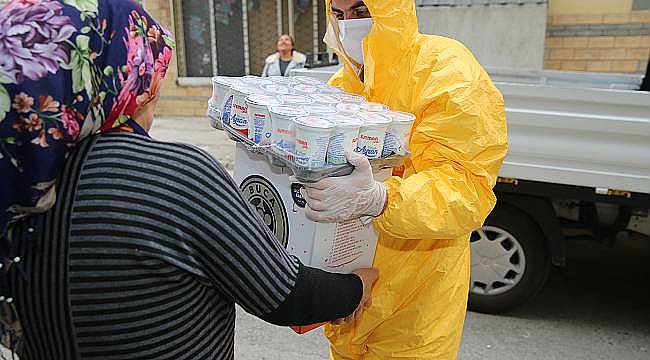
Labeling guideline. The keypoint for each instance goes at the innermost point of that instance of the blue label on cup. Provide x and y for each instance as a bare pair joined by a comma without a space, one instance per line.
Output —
390,145
238,121
368,152
336,150
227,110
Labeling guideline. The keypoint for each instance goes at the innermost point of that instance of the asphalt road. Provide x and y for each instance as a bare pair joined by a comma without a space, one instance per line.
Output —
587,311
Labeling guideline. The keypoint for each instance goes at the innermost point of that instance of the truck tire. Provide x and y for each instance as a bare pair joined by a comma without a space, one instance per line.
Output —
510,261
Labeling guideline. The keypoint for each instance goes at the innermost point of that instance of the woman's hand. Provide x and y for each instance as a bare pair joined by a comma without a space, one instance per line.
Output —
368,279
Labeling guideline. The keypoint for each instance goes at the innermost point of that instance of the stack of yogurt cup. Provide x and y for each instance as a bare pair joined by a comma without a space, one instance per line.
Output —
313,123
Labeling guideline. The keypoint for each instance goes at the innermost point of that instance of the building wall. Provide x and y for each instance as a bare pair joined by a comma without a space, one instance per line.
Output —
516,43
589,6
607,36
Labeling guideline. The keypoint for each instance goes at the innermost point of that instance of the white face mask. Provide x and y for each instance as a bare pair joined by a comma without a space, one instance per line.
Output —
351,33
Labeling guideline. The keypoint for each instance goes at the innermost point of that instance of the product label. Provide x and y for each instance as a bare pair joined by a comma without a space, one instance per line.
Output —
347,245
239,119
262,129
266,200
298,199
391,146
370,152
311,151
227,111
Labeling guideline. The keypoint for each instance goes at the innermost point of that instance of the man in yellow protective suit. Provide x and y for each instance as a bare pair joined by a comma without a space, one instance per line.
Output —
426,212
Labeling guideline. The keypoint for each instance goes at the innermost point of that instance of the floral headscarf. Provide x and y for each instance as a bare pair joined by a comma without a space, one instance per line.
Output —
68,69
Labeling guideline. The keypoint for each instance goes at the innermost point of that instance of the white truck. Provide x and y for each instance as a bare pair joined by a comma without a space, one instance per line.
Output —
578,166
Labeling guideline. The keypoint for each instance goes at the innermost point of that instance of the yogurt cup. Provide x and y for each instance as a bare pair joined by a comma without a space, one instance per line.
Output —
284,80
220,85
307,80
222,96
325,99
255,80
276,89
313,135
398,134
344,139
282,123
372,134
239,116
351,98
320,110
214,114
374,107
296,100
348,108
260,127
329,89
305,88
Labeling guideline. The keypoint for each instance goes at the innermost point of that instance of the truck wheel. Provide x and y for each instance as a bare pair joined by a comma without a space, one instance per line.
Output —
510,262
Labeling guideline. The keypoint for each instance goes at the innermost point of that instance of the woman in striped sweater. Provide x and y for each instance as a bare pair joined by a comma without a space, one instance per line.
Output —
115,245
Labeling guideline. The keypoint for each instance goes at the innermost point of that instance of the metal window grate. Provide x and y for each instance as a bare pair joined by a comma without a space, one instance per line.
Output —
476,2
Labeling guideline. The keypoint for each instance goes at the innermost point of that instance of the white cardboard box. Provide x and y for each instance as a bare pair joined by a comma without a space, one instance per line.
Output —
332,247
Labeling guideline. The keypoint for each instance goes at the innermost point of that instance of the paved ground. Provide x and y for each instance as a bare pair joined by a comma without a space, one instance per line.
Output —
588,311
196,131
596,309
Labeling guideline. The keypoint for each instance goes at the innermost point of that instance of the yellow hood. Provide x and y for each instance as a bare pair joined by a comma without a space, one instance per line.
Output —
394,31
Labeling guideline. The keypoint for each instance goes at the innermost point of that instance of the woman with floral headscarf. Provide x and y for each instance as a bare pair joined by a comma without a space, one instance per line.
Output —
114,245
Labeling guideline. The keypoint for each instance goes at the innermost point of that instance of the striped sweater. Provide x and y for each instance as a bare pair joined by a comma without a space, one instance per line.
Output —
145,254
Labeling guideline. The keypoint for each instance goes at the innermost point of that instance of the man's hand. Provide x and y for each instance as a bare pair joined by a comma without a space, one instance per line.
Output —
338,199
368,279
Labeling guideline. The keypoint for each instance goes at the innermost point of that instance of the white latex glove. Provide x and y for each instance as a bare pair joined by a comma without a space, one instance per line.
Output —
338,199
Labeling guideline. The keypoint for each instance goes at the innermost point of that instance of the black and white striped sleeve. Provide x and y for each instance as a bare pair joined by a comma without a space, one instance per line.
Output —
180,205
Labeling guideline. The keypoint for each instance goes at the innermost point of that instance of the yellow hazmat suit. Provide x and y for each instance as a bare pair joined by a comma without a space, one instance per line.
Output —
457,146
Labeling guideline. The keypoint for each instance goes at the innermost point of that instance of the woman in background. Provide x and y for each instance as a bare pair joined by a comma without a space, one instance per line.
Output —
285,59
114,245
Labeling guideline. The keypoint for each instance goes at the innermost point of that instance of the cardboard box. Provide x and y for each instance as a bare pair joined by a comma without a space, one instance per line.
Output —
339,248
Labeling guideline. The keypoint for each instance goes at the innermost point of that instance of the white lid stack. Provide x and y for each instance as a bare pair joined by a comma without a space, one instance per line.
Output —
297,113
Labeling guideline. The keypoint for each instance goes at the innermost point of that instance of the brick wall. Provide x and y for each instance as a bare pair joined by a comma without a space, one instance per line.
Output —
617,42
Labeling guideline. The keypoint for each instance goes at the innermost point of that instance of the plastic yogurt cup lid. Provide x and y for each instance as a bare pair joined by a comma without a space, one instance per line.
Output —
370,118
296,99
400,116
276,88
251,78
316,122
351,98
305,88
288,110
282,80
246,90
226,80
263,100
374,107
348,108
329,89
325,98
319,109
308,80
346,120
